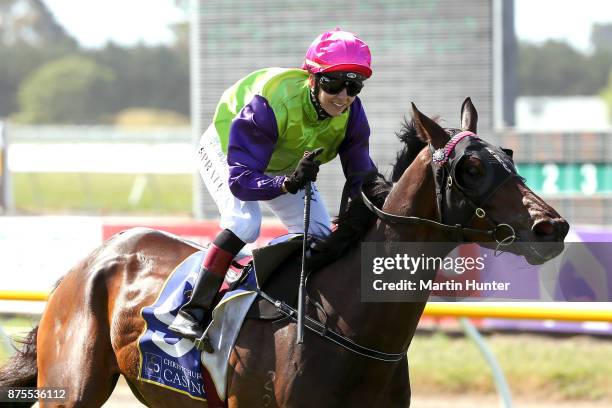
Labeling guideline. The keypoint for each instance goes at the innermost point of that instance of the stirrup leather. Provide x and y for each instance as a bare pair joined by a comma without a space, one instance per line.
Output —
203,343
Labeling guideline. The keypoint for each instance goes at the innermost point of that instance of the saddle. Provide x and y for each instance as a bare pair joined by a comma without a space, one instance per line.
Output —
280,286
162,350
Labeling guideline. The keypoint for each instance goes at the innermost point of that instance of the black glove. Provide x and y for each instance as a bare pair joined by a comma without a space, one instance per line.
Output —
305,172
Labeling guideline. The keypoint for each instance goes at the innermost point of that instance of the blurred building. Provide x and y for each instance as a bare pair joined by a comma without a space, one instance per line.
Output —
572,113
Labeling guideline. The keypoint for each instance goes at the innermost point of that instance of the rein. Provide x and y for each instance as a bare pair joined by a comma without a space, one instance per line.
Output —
322,330
441,158
456,230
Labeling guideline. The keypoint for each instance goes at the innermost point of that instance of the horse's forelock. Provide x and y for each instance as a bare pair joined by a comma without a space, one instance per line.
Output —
413,144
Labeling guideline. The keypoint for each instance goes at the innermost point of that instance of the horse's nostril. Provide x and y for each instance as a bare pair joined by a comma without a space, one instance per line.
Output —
544,228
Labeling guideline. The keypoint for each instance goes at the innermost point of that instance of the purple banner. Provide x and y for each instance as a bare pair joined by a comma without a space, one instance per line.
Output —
417,272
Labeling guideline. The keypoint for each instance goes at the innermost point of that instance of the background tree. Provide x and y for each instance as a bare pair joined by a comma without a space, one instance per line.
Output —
181,29
69,90
30,22
157,78
147,77
555,68
601,37
29,37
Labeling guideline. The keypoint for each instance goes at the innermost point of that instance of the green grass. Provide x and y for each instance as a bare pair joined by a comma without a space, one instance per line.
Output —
577,368
100,193
16,327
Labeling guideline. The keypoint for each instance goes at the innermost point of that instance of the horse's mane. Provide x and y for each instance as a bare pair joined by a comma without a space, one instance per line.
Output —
413,144
354,223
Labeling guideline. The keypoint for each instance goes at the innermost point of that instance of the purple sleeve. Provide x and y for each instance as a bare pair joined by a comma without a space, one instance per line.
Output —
355,148
253,135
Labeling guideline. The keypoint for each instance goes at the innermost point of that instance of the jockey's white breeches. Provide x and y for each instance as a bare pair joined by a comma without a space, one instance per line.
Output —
243,218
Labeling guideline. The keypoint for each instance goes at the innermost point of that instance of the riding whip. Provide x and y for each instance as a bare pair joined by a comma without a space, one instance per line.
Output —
302,288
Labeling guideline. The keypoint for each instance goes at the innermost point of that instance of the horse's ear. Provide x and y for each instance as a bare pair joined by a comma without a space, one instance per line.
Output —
469,116
429,129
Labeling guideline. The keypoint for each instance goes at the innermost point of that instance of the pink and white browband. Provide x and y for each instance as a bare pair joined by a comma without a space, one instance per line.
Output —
440,156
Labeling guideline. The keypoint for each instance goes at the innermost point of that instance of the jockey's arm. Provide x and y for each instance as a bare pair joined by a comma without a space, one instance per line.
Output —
253,136
354,150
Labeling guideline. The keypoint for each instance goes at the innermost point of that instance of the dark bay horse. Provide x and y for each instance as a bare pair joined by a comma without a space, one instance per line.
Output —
88,333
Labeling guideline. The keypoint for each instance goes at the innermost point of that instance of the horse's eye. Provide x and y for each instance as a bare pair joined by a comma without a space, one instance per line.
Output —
470,174
473,171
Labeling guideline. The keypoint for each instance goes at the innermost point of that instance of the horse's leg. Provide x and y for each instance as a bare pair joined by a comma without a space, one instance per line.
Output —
74,347
253,377
265,363
269,370
397,393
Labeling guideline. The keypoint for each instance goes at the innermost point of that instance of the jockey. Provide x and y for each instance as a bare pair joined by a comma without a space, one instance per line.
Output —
266,132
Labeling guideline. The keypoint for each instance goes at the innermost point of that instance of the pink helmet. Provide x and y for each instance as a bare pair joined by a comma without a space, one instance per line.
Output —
338,50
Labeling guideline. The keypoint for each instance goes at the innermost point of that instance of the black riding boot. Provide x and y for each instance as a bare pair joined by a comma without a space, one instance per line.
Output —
188,321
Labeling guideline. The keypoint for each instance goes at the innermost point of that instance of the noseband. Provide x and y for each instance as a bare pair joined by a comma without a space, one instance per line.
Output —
449,192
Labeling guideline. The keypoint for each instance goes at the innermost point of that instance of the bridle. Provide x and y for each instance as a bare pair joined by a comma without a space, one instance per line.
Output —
448,191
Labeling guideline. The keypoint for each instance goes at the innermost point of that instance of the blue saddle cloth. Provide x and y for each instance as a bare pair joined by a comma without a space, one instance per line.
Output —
166,359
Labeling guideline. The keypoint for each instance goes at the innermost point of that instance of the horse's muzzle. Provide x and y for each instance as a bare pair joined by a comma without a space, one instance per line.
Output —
550,229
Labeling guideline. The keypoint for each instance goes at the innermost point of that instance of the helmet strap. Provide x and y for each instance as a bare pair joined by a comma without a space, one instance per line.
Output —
314,98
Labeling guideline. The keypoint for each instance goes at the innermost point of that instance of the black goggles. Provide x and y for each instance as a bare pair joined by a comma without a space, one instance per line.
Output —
334,83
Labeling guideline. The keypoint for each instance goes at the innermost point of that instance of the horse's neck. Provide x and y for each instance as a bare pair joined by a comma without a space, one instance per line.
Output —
388,327
413,195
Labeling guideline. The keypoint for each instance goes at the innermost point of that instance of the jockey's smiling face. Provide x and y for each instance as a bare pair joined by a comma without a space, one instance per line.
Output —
335,105
337,90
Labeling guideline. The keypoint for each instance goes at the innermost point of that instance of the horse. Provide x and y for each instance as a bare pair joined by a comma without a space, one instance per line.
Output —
87,336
